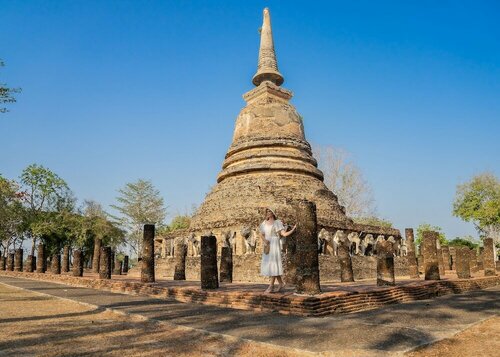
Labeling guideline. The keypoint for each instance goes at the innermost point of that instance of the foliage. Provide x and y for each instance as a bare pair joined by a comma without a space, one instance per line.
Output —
373,221
427,227
6,94
478,201
11,213
139,203
467,241
345,179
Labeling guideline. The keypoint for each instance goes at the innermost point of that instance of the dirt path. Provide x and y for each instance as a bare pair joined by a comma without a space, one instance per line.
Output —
34,324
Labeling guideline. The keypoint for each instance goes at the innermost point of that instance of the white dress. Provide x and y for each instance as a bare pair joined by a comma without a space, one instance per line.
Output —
271,263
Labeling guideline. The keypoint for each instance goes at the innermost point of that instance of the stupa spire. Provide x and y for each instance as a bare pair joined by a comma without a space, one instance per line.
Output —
267,69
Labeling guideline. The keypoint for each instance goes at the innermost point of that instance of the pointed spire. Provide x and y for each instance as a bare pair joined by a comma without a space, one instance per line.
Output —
267,70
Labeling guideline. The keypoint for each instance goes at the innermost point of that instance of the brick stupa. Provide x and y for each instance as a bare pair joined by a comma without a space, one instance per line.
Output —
269,160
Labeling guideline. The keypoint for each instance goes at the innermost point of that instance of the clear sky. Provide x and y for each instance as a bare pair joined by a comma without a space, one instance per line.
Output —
114,91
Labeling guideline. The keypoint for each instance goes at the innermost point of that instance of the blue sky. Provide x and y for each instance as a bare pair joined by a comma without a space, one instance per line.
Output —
114,91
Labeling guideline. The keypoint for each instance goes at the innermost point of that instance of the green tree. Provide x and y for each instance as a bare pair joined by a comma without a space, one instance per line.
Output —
12,215
139,203
478,201
427,227
467,241
43,192
6,94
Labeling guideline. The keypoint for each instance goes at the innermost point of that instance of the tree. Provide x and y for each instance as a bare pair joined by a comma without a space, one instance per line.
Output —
427,227
11,214
43,192
345,179
478,201
139,203
6,93
467,241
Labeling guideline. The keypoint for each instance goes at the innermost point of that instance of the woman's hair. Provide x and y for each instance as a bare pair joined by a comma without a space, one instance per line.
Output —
270,210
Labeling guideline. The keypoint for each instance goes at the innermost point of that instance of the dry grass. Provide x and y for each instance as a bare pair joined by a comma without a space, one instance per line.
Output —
34,324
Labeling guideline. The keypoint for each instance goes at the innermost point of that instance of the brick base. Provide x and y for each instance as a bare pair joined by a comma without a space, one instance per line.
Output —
345,299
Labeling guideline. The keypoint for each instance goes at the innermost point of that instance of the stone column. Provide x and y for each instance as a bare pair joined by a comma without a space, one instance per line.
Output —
105,263
41,261
462,262
18,260
30,264
3,263
112,260
473,260
180,253
148,250
77,263
431,262
125,264
440,257
65,259
385,264
346,273
55,267
489,257
226,265
446,257
117,270
453,257
209,275
410,256
96,259
10,262
306,255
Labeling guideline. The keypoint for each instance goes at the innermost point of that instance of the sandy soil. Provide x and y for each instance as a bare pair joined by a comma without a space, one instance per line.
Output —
33,324
482,339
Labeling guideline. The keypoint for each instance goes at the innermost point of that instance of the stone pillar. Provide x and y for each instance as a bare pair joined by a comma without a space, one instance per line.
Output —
473,260
446,257
489,257
77,263
112,260
440,257
410,256
18,260
3,263
462,262
226,265
117,270
290,262
306,255
125,264
385,264
209,275
346,273
105,263
148,250
30,266
41,261
10,262
55,266
180,253
96,259
431,261
65,259
453,258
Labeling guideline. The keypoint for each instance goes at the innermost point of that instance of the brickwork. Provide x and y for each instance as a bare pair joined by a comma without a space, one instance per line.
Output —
41,260
30,266
489,257
431,262
96,258
327,303
65,260
148,259
209,274
411,257
105,263
226,265
385,264
77,263
10,262
462,263
55,264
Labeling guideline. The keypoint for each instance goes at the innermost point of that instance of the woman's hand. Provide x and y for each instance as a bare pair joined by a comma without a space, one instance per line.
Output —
286,234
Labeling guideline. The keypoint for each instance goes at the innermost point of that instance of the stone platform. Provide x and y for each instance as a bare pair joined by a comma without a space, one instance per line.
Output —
335,298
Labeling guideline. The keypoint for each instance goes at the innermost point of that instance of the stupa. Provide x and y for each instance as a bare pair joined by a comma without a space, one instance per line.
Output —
269,160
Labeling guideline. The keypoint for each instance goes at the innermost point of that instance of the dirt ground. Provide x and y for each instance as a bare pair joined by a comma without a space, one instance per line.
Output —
34,324
482,339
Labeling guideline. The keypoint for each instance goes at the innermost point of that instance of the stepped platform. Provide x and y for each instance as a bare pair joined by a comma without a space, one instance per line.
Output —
336,298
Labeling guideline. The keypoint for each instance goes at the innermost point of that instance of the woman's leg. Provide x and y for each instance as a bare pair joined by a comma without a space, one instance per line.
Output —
271,285
280,281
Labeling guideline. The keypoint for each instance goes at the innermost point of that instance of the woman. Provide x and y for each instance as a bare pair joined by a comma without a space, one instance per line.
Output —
270,231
